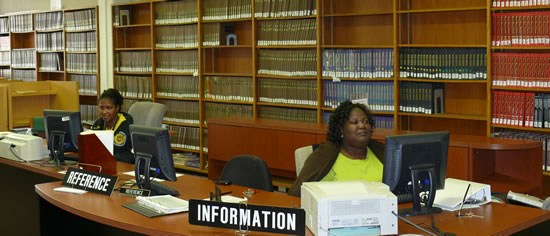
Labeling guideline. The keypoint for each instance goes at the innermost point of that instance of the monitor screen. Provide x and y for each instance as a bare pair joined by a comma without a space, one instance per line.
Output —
65,122
403,151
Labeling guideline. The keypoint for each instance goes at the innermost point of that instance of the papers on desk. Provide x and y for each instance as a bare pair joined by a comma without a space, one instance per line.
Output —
230,199
69,190
165,204
452,196
133,173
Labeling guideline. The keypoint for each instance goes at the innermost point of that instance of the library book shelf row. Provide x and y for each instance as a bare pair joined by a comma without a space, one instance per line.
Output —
58,45
298,59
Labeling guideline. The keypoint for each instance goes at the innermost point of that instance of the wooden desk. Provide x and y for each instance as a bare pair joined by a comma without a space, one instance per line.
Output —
500,219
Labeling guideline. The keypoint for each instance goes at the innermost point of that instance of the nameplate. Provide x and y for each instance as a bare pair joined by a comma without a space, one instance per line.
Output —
135,192
247,217
89,181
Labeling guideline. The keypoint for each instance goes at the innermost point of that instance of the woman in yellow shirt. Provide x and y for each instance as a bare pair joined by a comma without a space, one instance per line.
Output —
349,154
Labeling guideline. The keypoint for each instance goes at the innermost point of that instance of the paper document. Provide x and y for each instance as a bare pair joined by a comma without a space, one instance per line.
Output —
105,136
230,199
133,173
165,203
452,196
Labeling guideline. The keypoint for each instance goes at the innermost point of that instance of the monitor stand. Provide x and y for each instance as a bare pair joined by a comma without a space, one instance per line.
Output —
57,148
417,209
145,182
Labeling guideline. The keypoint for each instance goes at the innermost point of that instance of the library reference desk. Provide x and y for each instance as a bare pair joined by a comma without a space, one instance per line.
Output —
499,219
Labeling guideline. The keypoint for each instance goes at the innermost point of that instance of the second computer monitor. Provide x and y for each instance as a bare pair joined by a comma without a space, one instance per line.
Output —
154,143
66,125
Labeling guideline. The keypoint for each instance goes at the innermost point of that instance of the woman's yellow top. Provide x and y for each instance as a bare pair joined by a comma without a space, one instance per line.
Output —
344,168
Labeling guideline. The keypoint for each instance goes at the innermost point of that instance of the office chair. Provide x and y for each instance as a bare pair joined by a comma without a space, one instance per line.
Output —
147,113
249,171
300,157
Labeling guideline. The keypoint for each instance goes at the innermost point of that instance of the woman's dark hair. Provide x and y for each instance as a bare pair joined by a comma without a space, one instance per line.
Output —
113,95
340,116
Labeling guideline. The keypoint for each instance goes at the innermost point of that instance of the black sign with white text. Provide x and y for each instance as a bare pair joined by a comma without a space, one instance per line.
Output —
89,181
135,192
245,216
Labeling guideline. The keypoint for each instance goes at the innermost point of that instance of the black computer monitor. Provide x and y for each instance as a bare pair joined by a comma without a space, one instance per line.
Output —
421,156
153,158
62,129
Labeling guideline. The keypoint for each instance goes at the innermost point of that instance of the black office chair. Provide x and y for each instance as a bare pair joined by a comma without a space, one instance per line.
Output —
249,171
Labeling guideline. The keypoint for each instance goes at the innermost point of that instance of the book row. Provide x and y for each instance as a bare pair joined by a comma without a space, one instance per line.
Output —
177,86
49,21
520,3
5,73
284,91
527,70
426,98
205,144
88,114
49,41
5,58
4,42
229,88
287,32
227,9
176,12
51,62
81,63
520,29
183,112
215,33
187,159
358,63
137,61
521,109
378,96
87,84
128,102
178,61
443,63
4,25
284,8
80,20
288,114
134,86
25,75
81,41
288,62
21,23
23,58
180,36
184,137
380,122
220,110
543,138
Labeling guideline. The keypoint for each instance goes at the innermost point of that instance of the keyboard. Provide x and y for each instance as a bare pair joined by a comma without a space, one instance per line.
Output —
525,199
403,198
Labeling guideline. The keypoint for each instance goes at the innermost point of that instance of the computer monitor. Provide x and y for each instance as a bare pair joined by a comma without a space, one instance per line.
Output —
62,129
153,158
421,156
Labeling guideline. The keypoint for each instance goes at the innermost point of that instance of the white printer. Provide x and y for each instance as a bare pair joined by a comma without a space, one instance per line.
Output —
26,147
349,208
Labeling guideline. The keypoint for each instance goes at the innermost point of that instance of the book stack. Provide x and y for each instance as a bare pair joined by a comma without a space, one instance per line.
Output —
49,41
287,32
184,137
358,63
176,12
25,75
425,98
49,21
134,86
522,70
520,3
5,72
443,63
220,110
81,41
80,20
379,95
284,91
177,61
4,25
383,122
289,114
543,138
227,88
87,84
521,29
81,63
51,62
23,58
213,34
180,36
284,8
181,111
288,62
5,58
137,61
226,9
521,109
4,42
177,86
21,23
188,159
88,114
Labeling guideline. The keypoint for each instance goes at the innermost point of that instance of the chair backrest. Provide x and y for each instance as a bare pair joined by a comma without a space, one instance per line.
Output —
300,157
147,113
249,171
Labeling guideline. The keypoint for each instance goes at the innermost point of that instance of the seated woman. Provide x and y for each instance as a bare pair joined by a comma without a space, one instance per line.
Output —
349,154
112,118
